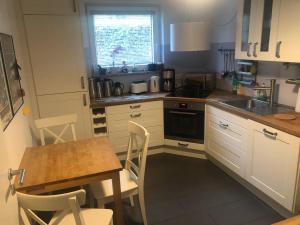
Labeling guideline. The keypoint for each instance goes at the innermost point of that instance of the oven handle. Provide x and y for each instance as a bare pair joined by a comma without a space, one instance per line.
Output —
183,113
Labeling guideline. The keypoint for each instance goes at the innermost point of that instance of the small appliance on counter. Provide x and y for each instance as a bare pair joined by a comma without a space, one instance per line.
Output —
154,84
118,89
168,81
108,87
197,86
139,87
96,88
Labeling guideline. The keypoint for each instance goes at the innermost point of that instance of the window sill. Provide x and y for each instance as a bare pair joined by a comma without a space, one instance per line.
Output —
140,73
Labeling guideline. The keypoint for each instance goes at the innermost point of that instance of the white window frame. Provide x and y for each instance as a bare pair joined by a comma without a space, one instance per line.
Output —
102,9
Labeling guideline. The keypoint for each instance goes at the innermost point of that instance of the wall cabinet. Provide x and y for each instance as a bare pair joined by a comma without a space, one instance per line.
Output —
61,104
54,7
225,139
56,50
266,31
148,114
272,163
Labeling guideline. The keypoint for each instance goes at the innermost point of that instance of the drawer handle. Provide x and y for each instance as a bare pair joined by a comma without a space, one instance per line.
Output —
135,106
270,134
183,145
136,115
278,46
223,125
254,49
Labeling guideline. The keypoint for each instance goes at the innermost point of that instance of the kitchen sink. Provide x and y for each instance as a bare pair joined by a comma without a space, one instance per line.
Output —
257,107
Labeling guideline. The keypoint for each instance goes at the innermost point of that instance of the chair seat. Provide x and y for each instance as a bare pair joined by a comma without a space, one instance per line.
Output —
103,190
90,216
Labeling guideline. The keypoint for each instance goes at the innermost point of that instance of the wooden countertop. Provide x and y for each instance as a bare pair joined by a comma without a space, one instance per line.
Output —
216,99
291,221
128,99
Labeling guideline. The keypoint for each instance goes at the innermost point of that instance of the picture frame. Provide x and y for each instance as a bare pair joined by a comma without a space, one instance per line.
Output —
6,113
10,80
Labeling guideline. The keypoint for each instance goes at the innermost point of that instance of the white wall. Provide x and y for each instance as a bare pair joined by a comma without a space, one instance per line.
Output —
17,136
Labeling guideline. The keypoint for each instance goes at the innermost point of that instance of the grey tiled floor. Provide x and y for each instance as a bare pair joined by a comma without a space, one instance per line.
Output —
186,191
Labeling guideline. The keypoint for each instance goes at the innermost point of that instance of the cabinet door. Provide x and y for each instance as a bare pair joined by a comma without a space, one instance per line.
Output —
54,7
56,50
264,45
288,33
272,163
62,104
246,28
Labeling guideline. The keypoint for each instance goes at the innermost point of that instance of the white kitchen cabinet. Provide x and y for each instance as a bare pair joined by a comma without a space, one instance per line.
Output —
246,28
148,114
62,104
288,31
272,162
54,7
56,51
225,139
266,30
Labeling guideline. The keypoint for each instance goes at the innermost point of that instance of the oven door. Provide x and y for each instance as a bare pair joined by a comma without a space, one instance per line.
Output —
184,125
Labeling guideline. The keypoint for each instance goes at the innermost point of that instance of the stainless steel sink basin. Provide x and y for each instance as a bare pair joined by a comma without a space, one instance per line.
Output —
258,107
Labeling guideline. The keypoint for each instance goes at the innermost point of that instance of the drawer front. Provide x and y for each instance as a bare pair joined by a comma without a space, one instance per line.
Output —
184,145
131,108
227,116
120,139
145,118
226,139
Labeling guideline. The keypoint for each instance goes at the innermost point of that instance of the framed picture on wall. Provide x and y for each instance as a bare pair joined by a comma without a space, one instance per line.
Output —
11,94
6,113
12,72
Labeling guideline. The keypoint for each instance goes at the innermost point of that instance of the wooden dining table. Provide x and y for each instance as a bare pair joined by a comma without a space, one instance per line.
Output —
59,166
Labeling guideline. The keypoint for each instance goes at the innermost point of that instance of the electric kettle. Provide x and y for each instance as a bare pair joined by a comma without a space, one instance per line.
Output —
154,84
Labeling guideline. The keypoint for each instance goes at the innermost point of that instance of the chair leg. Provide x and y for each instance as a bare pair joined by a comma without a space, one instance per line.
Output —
131,200
143,209
100,204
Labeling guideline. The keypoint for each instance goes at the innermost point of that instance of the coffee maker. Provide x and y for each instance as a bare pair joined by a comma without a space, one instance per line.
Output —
168,80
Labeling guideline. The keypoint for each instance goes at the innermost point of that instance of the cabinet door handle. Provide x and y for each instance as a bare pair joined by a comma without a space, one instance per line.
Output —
74,6
278,48
270,134
136,115
254,49
84,100
82,83
249,49
183,145
222,125
135,106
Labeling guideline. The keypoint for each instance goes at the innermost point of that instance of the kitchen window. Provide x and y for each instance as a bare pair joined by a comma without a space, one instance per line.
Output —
127,35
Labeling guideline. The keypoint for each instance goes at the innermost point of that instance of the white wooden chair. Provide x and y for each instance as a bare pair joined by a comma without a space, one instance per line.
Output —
67,121
67,208
132,177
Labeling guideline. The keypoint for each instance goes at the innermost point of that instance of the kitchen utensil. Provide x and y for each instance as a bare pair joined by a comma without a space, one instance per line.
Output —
99,89
285,116
92,88
108,87
118,89
154,84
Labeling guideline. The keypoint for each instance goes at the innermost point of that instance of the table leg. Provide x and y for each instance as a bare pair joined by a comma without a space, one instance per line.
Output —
119,218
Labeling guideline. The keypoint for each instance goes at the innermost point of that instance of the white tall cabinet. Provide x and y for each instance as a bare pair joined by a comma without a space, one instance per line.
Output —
57,57
272,162
268,30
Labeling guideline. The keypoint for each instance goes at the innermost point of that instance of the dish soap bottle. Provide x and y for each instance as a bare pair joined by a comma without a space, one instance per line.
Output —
235,84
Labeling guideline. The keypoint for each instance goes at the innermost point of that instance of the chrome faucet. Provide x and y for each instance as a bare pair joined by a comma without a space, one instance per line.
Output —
271,88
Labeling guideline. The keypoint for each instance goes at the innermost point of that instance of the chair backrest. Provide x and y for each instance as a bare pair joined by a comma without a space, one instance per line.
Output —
138,141
62,204
67,121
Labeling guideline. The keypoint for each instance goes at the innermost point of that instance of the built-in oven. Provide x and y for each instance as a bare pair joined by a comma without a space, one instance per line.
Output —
184,121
